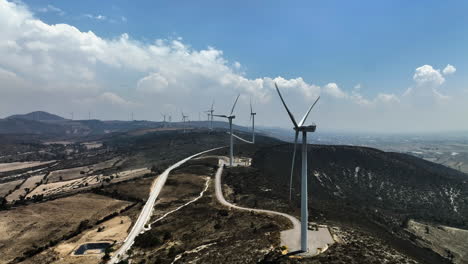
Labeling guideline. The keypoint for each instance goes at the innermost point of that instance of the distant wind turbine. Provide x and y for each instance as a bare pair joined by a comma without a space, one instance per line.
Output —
299,127
230,117
164,119
184,118
210,115
252,117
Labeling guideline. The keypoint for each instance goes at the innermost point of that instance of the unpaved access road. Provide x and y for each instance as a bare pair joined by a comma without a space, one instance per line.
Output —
147,210
319,240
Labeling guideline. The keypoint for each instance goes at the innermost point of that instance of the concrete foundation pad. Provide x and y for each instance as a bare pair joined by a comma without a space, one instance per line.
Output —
319,240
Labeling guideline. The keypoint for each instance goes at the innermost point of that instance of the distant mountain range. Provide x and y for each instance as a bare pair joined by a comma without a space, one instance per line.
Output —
38,116
43,123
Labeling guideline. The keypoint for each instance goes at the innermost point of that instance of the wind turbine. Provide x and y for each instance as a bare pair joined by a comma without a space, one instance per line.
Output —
299,127
230,117
164,119
210,115
184,118
252,117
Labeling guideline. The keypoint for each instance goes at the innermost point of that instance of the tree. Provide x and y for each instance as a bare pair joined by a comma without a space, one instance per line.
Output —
3,203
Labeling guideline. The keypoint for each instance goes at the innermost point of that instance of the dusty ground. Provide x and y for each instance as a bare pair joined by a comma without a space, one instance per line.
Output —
114,231
204,231
68,174
354,247
447,241
79,172
88,182
6,187
134,189
21,165
26,229
29,185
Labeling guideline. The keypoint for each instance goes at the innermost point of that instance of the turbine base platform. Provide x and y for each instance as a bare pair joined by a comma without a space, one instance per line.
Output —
319,241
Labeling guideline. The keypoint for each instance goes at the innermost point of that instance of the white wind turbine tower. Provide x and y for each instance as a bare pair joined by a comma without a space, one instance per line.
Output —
210,115
252,117
304,129
164,119
184,118
230,117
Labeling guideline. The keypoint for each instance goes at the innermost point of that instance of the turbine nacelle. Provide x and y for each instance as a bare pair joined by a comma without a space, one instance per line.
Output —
310,128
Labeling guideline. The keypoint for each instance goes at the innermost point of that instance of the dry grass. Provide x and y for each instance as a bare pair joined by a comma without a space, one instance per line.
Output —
87,182
442,239
29,184
31,226
79,172
7,186
68,174
4,167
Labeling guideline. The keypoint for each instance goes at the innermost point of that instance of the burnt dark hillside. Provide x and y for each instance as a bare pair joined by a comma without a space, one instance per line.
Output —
163,148
391,187
16,126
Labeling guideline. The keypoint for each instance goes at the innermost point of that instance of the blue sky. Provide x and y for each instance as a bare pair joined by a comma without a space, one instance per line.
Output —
375,43
310,47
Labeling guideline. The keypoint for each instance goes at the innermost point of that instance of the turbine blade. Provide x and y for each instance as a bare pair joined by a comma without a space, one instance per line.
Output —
212,105
251,110
285,106
307,114
232,110
292,165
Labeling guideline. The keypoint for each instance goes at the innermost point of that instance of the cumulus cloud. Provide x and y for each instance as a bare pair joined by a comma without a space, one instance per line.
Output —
153,83
449,69
333,90
62,67
426,75
428,82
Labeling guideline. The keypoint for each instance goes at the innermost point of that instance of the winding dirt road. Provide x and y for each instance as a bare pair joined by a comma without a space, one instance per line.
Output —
147,210
319,240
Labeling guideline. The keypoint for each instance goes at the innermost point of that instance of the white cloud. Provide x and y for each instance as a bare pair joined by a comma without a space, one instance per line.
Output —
333,90
61,67
387,98
428,81
153,83
51,8
426,75
96,17
113,99
449,69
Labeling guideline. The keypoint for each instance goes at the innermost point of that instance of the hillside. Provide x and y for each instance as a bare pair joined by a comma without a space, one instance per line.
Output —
43,123
402,185
38,116
360,188
19,126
